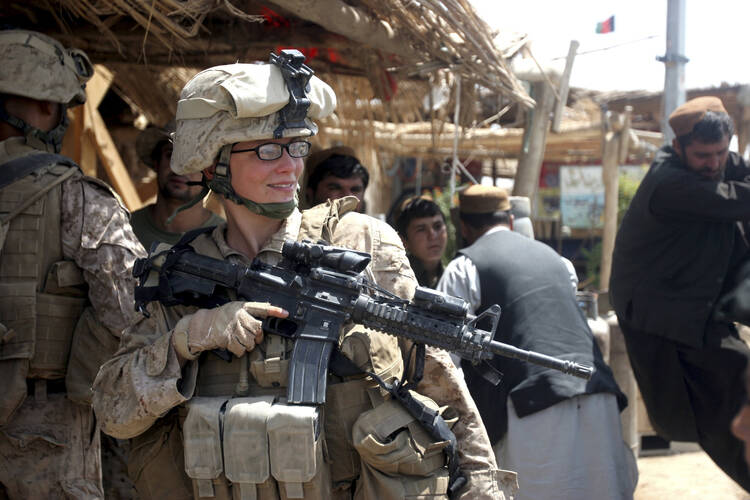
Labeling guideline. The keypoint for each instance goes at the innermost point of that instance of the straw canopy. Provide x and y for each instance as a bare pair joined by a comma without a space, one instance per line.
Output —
395,46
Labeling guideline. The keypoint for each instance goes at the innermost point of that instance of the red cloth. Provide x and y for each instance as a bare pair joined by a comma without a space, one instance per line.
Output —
607,26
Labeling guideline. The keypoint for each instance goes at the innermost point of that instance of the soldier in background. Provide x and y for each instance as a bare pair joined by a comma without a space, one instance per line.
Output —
203,427
66,289
152,222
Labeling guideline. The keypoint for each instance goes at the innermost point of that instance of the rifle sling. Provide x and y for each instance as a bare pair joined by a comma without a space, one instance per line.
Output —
341,366
18,168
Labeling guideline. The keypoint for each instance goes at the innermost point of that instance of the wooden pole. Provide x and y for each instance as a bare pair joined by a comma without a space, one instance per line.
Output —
505,144
530,163
118,174
88,154
96,141
564,86
97,87
418,177
454,162
615,152
624,138
71,146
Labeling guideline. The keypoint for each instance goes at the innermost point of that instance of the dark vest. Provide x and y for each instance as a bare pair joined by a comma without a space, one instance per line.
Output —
539,312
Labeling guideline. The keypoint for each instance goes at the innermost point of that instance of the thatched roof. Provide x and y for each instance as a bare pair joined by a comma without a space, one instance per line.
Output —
647,105
386,50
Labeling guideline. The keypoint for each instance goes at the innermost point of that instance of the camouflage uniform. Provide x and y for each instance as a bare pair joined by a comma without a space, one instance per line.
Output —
66,293
50,447
144,380
186,411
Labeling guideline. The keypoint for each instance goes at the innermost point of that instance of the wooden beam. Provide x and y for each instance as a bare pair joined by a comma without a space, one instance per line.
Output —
77,144
612,156
118,174
94,140
88,155
71,146
532,154
98,85
624,145
564,86
417,139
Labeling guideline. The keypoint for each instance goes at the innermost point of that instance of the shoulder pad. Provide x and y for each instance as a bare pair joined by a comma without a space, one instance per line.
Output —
106,187
104,217
319,222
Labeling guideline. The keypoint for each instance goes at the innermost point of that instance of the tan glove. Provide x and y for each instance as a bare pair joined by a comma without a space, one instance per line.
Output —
232,326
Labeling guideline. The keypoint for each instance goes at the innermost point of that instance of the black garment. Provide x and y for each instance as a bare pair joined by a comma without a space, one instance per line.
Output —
693,394
539,312
677,246
677,251
423,277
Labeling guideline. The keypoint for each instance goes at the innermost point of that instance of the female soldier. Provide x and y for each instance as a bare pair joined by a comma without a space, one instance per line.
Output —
244,126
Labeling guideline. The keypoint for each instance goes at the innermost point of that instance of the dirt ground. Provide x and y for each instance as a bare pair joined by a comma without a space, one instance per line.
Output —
685,475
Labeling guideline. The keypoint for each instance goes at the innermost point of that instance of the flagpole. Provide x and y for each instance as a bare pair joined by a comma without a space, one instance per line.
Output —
674,65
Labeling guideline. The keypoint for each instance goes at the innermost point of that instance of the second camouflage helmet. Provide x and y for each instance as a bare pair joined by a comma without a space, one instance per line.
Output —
40,67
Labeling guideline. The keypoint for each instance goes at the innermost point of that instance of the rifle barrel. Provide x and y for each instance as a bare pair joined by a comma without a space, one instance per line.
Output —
563,365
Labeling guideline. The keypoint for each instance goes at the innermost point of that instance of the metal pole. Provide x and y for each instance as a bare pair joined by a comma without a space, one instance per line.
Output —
674,63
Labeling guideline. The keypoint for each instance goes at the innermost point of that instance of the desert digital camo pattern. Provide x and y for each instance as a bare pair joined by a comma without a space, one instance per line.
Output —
97,236
39,67
144,380
51,450
51,447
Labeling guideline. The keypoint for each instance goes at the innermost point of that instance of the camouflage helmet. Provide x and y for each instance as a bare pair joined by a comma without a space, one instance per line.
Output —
39,67
227,104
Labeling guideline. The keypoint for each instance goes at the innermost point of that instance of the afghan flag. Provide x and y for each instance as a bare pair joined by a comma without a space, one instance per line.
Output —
607,26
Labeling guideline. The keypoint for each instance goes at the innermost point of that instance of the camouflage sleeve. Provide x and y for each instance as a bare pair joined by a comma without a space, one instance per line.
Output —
389,267
143,380
441,382
96,234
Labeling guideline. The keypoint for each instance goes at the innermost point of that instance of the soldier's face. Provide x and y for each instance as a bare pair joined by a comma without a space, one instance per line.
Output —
708,159
264,181
171,185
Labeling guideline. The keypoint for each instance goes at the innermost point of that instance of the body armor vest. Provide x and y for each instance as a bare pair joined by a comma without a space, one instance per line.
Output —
41,294
264,370
241,440
251,385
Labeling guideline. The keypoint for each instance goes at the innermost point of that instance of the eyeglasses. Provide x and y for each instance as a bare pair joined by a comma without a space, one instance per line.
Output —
270,151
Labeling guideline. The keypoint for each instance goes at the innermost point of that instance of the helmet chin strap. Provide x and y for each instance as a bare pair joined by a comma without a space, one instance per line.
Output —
50,141
222,185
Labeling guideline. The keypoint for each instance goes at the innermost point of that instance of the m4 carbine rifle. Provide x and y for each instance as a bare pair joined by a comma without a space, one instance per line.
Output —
323,287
